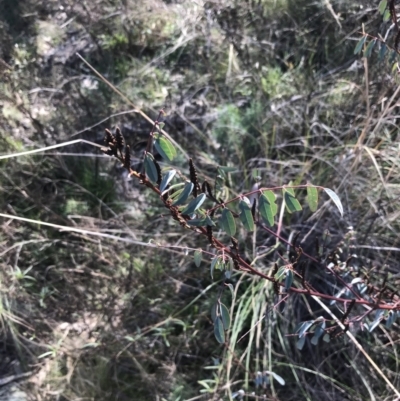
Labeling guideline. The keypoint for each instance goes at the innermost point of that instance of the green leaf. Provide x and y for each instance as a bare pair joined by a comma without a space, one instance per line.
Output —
292,204
289,279
312,198
198,256
187,190
226,319
382,6
245,215
335,199
369,48
228,222
267,207
165,147
194,204
280,273
359,45
219,330
382,52
167,179
326,338
150,167
386,15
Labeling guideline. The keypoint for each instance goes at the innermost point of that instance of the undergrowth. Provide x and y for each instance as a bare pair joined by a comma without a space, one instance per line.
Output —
119,310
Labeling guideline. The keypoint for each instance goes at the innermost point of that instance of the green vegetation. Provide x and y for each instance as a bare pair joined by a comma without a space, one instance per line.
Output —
103,295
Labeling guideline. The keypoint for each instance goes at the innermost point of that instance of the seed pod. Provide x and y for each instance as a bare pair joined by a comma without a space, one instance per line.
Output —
119,139
109,137
127,158
194,179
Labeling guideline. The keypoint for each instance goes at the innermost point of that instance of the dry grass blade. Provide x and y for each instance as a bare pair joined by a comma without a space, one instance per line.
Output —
59,145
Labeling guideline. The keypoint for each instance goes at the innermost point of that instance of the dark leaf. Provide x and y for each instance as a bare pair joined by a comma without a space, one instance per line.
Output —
369,48
382,52
292,204
187,190
246,216
194,204
300,343
228,222
214,310
150,167
267,207
318,333
226,319
289,279
219,330
360,45
198,222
